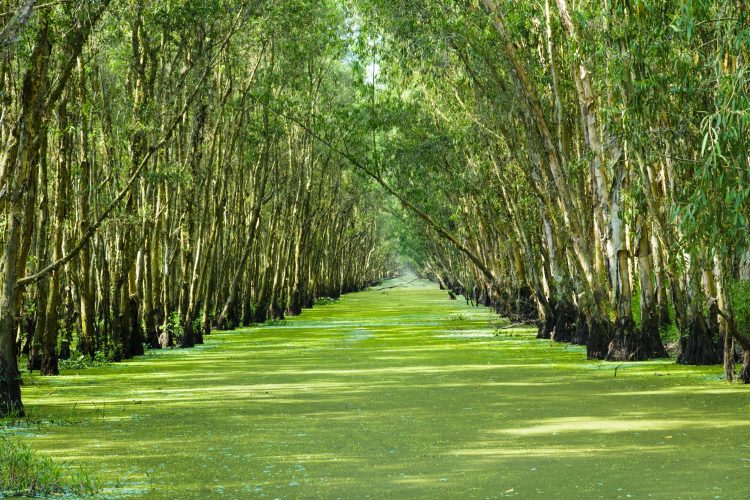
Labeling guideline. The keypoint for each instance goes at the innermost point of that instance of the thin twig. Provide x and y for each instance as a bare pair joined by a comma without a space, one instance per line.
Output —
398,285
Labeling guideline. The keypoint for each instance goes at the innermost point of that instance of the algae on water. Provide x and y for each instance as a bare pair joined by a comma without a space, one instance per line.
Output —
398,393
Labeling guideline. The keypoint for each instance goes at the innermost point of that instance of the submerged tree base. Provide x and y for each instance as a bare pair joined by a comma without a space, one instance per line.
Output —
10,403
626,344
565,323
599,337
696,346
632,344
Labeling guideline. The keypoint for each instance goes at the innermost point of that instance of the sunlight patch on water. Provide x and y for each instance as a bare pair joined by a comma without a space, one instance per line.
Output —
611,425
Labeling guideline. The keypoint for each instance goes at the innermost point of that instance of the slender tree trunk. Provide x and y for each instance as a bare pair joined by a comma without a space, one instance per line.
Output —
228,317
189,272
87,343
50,355
34,361
29,124
697,345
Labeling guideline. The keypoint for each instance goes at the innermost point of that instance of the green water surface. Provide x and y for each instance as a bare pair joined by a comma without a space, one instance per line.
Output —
393,393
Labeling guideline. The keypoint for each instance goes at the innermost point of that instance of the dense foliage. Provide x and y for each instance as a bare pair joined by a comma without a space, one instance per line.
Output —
170,167
163,173
579,161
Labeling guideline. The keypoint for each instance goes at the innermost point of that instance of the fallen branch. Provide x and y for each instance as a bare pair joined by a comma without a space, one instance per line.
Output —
398,285
732,324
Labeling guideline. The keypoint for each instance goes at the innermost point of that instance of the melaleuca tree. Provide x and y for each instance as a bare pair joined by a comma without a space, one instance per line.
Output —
170,148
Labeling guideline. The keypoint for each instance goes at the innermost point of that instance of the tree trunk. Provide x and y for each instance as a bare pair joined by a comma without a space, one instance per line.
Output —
50,355
87,342
19,178
229,316
697,344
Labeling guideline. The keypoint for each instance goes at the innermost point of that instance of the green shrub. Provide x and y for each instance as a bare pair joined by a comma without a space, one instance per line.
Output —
324,301
175,327
23,472
741,300
197,325
82,361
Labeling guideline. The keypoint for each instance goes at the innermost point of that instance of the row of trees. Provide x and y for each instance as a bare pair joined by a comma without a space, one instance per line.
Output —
584,163
163,172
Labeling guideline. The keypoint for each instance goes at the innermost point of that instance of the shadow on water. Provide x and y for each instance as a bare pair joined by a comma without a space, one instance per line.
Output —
380,394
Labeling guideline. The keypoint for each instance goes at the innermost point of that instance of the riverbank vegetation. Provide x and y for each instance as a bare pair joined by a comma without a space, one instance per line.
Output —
150,194
581,164
25,474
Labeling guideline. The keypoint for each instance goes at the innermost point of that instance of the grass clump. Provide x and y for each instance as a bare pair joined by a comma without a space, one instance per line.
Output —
24,473
325,301
458,317
82,361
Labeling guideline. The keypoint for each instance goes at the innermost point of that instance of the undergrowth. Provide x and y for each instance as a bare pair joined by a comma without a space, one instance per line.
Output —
24,473
82,361
741,299
458,317
324,301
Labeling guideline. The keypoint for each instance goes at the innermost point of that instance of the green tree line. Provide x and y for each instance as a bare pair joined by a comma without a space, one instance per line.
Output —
584,164
150,189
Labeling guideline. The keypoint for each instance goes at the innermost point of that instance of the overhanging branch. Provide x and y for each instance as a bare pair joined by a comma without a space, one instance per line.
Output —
421,214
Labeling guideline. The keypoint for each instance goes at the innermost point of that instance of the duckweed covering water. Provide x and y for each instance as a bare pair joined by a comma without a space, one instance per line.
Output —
394,392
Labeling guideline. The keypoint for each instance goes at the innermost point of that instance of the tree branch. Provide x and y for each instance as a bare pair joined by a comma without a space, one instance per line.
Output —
401,198
12,31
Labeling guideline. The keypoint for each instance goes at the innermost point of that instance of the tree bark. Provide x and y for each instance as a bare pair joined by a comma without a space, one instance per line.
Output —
19,178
